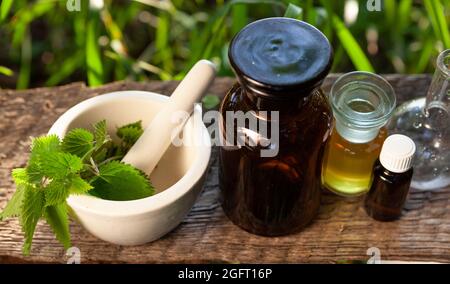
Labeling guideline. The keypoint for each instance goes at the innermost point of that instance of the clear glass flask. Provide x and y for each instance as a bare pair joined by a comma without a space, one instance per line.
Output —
362,103
427,122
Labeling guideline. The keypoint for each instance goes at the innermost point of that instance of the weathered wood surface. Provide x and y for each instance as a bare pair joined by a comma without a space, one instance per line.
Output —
342,230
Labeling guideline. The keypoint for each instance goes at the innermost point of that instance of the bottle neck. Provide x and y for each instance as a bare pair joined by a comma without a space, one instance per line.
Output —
362,103
354,134
276,101
437,104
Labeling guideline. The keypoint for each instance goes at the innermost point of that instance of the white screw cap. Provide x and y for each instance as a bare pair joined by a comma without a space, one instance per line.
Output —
397,153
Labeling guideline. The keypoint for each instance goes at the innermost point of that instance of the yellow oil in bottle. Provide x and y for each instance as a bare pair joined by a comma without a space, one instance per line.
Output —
348,166
362,104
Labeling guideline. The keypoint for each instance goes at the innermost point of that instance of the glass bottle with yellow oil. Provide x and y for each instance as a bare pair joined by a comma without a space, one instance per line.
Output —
362,104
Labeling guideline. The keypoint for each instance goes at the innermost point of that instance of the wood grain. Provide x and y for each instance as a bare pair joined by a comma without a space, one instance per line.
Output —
342,231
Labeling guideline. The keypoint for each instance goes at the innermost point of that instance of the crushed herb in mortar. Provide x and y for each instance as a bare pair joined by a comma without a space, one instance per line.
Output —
84,162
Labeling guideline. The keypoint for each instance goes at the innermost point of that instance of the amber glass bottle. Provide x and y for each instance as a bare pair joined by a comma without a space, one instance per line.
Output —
391,179
280,64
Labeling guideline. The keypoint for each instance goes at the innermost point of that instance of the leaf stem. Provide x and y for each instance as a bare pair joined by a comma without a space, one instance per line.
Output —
110,159
94,167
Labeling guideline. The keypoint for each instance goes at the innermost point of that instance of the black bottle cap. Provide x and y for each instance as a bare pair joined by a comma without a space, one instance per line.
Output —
280,56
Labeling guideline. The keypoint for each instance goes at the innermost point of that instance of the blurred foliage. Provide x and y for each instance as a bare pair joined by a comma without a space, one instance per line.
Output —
43,43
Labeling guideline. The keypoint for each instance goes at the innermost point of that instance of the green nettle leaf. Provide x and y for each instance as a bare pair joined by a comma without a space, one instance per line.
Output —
79,186
83,163
100,134
56,192
58,219
60,165
32,209
44,145
101,154
35,175
78,142
20,176
119,181
136,124
13,208
41,147
117,151
130,133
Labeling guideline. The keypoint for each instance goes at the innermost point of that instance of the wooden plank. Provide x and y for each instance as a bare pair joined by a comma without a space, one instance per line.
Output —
342,230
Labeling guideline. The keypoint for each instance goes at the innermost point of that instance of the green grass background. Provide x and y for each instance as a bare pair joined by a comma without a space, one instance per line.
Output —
43,44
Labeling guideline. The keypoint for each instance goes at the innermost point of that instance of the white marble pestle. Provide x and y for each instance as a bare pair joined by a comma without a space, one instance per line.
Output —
150,147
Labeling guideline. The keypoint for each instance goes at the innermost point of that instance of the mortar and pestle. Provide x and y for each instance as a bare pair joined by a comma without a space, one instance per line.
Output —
177,173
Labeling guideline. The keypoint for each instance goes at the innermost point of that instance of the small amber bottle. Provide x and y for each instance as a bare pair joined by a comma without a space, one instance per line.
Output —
391,179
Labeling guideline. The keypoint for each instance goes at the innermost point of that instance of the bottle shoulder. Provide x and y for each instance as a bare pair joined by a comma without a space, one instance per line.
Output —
313,104
372,147
233,100
391,177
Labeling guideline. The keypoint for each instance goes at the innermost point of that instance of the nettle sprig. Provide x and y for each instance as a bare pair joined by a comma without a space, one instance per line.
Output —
84,162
